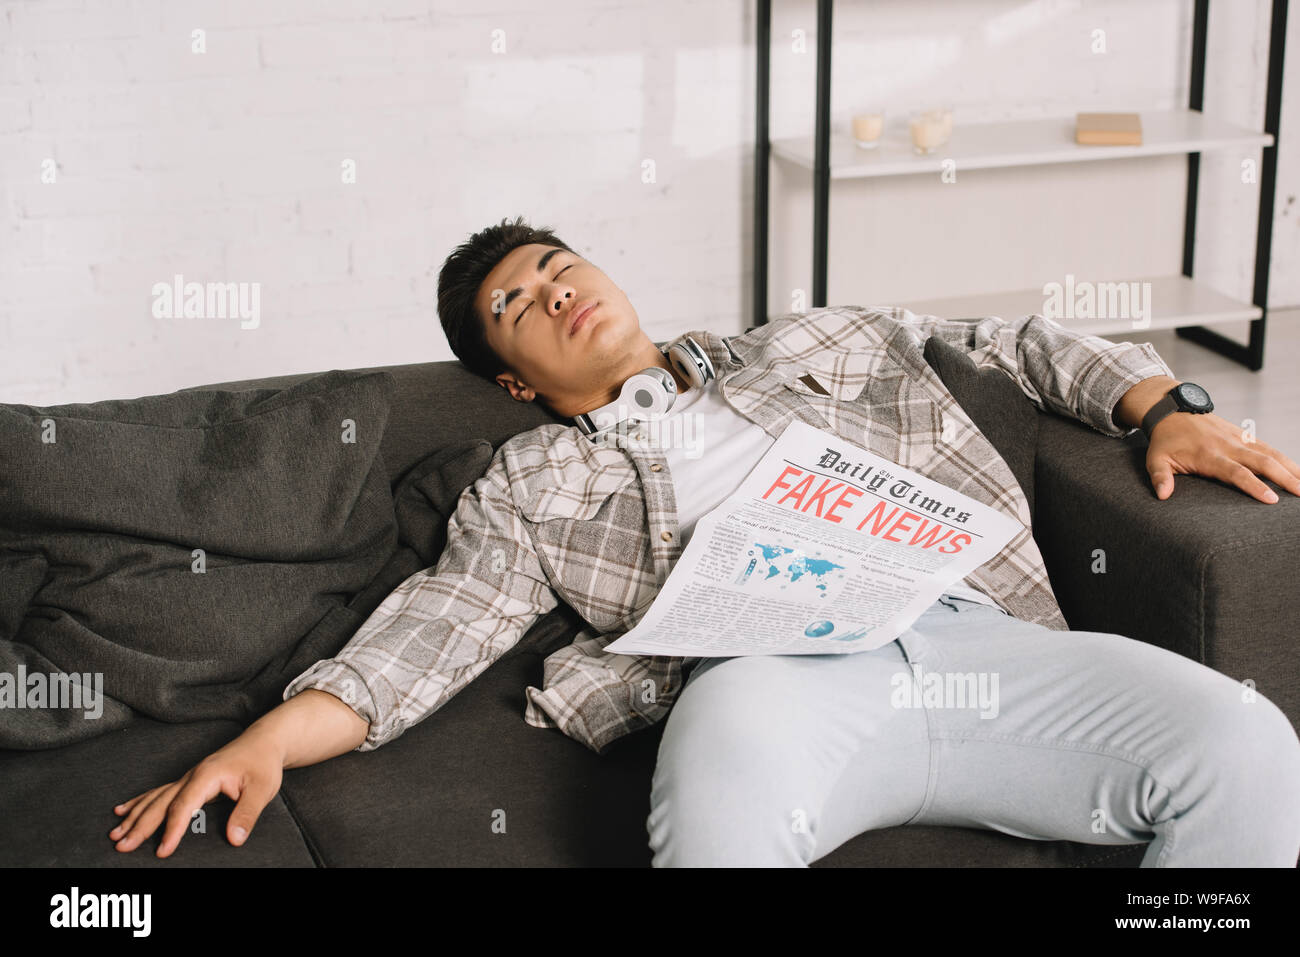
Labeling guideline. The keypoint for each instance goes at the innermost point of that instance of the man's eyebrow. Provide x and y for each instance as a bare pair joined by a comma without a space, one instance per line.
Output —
518,290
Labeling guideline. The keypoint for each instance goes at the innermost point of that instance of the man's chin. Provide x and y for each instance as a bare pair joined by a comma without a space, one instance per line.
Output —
595,347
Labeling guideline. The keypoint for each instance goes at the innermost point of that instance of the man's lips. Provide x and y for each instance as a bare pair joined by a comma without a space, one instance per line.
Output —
580,316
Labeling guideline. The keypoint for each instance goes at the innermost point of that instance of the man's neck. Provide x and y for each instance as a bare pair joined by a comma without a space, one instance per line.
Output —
650,355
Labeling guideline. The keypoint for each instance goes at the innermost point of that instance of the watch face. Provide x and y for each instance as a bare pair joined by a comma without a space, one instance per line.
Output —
1194,395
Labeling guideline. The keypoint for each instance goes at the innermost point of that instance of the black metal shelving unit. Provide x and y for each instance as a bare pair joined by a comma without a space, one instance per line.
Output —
1250,354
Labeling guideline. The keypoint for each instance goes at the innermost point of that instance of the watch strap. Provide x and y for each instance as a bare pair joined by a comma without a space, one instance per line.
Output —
1164,407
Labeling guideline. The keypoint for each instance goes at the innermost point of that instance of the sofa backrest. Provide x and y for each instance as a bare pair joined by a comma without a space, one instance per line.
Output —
435,404
997,406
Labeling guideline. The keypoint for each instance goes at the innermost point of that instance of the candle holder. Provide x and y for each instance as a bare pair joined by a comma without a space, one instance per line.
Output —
867,128
930,129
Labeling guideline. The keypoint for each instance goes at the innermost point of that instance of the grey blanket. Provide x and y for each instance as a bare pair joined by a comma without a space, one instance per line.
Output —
192,553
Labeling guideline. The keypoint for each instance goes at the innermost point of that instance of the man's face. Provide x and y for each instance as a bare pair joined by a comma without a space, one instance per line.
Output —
529,303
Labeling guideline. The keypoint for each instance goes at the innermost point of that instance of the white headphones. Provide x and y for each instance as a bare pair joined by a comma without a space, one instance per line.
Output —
651,392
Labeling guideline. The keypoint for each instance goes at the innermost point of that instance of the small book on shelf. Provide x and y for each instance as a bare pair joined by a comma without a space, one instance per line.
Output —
1108,129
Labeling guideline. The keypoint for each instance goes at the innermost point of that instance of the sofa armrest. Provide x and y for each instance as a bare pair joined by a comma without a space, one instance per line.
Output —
1209,573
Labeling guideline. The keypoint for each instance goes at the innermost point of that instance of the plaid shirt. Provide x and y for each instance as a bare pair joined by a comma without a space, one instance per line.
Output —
558,516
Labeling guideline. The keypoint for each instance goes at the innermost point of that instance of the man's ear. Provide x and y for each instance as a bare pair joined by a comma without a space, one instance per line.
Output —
519,391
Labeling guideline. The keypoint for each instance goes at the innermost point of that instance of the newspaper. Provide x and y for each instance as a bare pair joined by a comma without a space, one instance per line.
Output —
824,548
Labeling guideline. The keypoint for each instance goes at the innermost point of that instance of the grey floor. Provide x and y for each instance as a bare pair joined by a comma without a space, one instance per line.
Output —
1271,396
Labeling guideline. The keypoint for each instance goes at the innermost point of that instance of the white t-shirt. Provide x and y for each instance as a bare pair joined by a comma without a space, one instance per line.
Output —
710,448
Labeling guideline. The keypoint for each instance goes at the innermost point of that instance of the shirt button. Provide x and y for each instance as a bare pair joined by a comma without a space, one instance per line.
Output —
656,467
666,536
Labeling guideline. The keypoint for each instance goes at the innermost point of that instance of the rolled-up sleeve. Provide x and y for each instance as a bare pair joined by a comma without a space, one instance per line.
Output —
443,626
1069,373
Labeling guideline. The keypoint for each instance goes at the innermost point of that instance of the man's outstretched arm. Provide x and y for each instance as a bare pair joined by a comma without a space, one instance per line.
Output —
307,729
443,626
1111,386
1073,374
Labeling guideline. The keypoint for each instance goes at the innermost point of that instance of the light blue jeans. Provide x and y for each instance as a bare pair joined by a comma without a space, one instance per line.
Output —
1060,735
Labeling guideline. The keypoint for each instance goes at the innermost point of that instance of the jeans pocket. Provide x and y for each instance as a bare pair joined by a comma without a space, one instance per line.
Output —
693,666
915,646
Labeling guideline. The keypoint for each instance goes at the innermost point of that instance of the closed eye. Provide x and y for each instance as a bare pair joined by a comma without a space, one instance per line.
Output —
526,308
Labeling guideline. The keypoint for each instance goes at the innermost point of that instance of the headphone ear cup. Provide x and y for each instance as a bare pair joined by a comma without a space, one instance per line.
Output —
690,372
647,394
692,362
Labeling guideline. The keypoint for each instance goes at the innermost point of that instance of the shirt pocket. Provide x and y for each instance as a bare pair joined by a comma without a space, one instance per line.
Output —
574,481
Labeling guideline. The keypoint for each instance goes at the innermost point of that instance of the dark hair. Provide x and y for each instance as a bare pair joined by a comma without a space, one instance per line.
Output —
459,282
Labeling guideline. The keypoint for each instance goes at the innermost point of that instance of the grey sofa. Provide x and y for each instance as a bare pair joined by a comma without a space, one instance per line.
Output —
1209,574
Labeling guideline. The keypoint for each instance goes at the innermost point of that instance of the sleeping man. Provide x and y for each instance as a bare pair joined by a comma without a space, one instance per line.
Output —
778,759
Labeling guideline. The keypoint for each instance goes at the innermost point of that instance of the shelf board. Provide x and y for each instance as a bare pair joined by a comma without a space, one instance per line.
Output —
1021,143
1175,301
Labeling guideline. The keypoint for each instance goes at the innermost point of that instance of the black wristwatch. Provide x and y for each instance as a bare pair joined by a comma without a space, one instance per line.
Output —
1184,397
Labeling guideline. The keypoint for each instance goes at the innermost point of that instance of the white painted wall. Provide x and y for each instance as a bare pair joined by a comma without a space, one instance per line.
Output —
226,165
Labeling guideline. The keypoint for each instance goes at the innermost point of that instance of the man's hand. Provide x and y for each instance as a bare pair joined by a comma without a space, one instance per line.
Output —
1183,443
310,727
1186,443
248,770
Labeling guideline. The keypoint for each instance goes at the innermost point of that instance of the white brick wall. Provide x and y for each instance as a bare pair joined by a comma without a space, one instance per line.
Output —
225,166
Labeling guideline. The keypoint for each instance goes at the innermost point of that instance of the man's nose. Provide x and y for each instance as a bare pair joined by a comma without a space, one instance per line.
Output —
560,300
